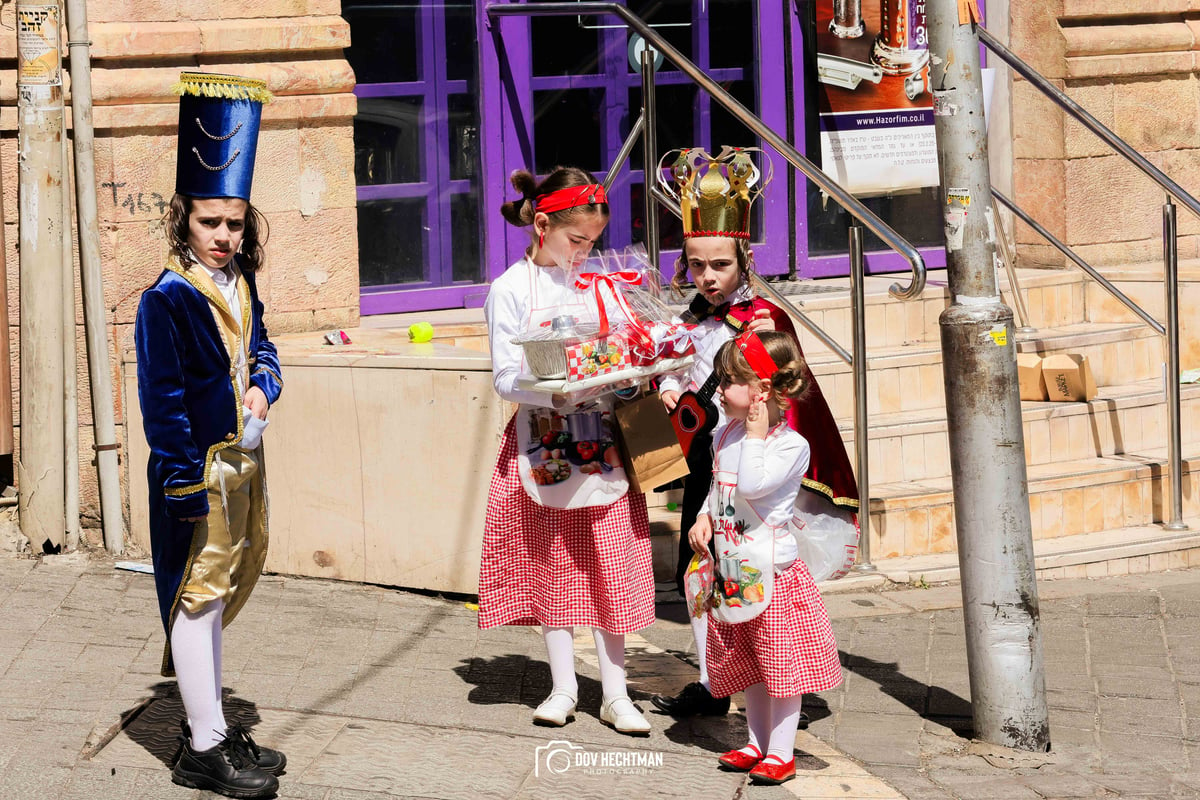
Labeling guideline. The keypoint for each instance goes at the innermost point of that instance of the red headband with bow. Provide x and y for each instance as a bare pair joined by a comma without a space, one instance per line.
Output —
756,355
587,195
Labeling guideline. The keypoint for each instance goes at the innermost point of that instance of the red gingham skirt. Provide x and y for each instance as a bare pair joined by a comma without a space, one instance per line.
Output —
562,567
789,646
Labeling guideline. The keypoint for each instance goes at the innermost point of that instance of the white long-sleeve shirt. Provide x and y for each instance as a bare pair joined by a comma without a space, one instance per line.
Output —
770,473
507,312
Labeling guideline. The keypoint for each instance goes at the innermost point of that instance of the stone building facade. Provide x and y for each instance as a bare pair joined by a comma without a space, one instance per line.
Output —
1131,64
304,181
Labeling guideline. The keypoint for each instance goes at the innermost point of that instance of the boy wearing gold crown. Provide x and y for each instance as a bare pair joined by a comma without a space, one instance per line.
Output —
715,194
207,374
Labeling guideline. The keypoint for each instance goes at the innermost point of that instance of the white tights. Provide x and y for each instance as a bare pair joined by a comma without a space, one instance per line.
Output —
196,650
772,722
700,634
610,651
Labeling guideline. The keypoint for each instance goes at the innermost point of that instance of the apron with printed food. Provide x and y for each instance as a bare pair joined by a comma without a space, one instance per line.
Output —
744,543
568,457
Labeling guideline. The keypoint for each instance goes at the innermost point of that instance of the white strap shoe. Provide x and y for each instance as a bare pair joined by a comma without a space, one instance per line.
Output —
556,709
623,716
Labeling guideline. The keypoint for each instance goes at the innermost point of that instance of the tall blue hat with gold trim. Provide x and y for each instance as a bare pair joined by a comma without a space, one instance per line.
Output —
219,117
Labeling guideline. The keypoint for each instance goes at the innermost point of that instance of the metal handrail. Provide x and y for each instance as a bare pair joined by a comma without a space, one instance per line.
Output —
1077,112
1170,256
852,205
1079,262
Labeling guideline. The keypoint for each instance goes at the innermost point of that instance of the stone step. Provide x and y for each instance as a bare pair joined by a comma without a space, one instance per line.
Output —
913,446
909,378
1067,499
1053,298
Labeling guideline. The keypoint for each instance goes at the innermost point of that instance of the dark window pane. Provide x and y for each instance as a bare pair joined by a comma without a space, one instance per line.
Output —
464,228
387,140
461,45
725,128
391,242
676,109
562,47
464,136
670,229
566,129
672,20
384,40
730,34
914,216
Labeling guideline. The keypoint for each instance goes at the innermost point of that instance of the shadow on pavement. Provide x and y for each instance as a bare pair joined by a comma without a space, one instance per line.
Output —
519,680
932,703
157,729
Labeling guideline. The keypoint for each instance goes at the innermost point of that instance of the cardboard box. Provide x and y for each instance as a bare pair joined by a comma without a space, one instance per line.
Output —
1029,375
1068,377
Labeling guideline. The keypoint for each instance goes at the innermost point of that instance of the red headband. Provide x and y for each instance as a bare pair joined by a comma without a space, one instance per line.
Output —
587,195
756,355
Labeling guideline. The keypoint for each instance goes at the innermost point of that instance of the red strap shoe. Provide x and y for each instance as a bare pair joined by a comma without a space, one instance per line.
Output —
773,772
737,761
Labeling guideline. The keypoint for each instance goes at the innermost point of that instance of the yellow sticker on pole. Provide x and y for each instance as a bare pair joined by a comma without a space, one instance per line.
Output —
999,334
38,59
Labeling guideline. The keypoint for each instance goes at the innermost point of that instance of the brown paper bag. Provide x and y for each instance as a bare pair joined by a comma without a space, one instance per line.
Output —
1030,377
1068,377
649,448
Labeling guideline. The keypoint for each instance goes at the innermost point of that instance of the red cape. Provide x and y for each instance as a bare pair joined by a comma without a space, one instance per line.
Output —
829,472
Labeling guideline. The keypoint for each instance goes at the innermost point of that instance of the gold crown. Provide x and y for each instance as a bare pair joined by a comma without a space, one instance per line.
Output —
714,192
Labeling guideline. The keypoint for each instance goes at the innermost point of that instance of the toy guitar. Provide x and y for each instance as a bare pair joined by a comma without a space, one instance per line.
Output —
695,415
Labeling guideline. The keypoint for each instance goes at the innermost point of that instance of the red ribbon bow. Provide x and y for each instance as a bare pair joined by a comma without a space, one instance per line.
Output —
640,336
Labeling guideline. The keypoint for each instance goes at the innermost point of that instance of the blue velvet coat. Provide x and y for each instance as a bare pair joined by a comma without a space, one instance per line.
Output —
191,407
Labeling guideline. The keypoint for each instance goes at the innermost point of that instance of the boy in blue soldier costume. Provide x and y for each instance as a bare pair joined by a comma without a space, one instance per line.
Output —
207,374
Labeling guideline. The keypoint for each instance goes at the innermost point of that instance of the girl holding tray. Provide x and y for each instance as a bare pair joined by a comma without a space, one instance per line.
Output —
566,543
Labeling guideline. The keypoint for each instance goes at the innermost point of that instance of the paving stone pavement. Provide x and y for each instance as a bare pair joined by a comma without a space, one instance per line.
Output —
376,692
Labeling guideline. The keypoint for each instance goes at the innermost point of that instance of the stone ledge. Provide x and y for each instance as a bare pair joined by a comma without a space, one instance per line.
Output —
123,86
308,110
1112,66
112,41
1100,40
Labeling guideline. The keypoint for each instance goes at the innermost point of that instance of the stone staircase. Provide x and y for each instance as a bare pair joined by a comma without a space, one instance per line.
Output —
1097,471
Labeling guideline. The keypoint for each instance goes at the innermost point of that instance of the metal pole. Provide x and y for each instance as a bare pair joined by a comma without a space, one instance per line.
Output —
623,154
70,375
40,197
858,332
650,154
104,427
1174,435
983,412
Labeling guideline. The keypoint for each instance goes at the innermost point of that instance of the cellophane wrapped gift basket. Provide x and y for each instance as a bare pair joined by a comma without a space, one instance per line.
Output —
628,326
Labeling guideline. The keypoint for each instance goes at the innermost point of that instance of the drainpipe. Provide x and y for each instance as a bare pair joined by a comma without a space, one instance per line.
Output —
40,197
94,317
70,375
6,409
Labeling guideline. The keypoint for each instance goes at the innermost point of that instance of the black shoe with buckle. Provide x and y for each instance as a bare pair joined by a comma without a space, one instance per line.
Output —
225,769
265,758
694,700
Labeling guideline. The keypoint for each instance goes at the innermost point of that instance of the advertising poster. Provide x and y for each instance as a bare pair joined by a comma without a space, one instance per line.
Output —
875,104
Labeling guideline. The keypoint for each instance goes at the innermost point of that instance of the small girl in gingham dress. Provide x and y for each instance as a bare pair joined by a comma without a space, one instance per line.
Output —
788,649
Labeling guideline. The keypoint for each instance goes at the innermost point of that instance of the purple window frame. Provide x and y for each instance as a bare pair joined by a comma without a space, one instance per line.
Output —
439,289
507,90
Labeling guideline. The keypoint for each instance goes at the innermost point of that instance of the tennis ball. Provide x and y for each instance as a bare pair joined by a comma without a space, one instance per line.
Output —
420,332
